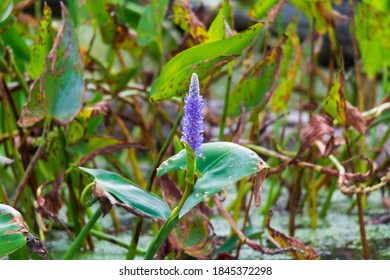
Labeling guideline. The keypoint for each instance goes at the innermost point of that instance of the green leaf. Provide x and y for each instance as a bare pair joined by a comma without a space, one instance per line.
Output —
137,200
5,9
261,8
222,164
259,83
217,28
150,24
335,101
58,92
12,230
292,56
42,45
17,42
373,38
204,60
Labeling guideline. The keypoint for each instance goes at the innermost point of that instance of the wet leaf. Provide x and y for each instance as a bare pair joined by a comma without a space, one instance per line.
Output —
222,164
194,233
42,45
259,83
304,253
58,92
188,21
13,230
113,189
335,101
204,59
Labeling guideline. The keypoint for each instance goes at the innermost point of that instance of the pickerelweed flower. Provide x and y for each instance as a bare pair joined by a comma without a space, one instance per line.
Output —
193,117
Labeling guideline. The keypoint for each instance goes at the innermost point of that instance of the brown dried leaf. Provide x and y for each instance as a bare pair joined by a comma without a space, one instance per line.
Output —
303,252
313,131
194,234
106,201
189,21
354,118
260,176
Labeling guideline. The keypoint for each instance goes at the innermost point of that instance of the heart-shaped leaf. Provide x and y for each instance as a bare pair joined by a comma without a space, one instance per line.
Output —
12,230
58,92
116,190
203,59
222,164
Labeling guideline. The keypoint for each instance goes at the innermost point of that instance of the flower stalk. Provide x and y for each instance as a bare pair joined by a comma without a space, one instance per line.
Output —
192,137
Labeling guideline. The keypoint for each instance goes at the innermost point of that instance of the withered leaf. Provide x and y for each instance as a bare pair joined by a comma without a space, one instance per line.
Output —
188,21
303,252
354,118
260,176
194,234
314,130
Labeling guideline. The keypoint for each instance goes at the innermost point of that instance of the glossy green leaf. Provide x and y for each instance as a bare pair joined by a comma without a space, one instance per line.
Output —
58,92
257,83
6,7
335,101
126,192
42,45
12,230
222,164
204,59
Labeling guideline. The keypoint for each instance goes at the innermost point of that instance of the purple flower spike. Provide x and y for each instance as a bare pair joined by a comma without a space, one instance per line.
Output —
193,117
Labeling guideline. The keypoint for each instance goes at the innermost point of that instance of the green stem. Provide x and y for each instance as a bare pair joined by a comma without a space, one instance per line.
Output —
134,240
174,217
226,103
82,235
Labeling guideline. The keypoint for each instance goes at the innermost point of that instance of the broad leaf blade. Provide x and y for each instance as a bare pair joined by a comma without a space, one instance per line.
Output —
259,83
58,92
130,194
222,164
12,230
202,59
42,45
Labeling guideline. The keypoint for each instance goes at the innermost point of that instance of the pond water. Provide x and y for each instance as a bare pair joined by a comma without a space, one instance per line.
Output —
337,236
